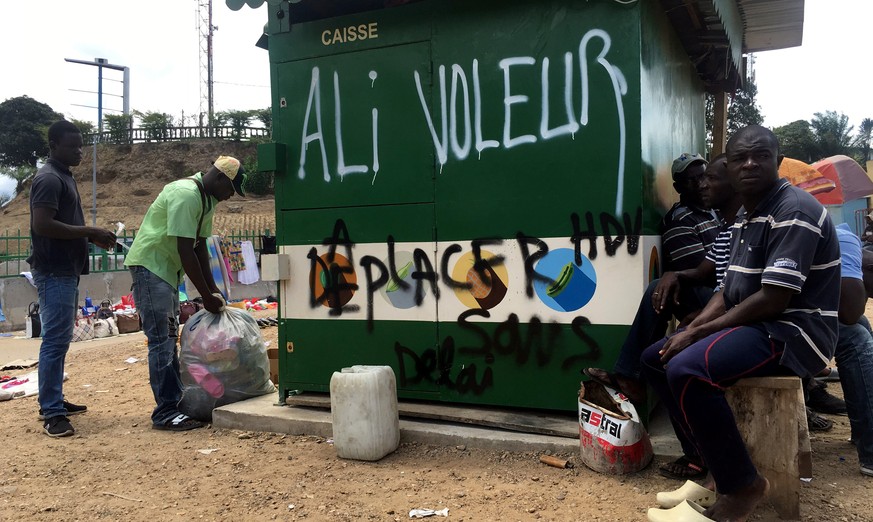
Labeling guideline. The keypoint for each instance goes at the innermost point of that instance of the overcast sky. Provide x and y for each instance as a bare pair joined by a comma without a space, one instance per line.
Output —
159,41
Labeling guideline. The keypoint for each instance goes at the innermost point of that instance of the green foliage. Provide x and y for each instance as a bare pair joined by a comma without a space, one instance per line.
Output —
85,127
862,141
238,121
118,126
797,141
157,124
832,134
258,183
20,174
743,110
24,123
265,116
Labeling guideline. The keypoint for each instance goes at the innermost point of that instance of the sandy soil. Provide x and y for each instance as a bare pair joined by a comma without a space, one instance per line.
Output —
117,468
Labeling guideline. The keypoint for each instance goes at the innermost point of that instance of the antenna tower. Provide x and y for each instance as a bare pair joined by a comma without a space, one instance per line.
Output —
205,29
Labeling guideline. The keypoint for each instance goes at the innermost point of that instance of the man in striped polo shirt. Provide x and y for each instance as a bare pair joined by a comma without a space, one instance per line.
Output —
776,315
687,229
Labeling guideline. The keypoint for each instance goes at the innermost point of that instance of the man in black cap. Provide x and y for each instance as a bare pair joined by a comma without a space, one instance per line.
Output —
168,245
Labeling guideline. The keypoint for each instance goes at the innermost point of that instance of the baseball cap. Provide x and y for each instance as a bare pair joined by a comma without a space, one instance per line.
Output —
684,161
233,169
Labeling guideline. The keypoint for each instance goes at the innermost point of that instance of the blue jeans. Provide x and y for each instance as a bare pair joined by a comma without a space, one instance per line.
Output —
649,325
157,303
58,302
854,356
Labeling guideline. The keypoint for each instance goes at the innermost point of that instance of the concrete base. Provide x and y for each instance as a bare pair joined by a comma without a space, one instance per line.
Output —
264,414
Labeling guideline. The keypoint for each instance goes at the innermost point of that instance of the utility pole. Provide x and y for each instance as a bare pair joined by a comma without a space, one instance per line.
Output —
100,63
205,28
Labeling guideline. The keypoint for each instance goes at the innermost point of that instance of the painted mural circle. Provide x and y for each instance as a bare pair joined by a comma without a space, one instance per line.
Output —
394,291
654,265
488,285
571,286
336,271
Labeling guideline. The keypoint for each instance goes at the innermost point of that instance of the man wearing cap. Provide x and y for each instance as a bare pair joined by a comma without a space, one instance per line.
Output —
168,245
687,231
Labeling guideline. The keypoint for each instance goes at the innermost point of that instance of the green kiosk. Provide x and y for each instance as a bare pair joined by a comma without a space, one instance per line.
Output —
469,192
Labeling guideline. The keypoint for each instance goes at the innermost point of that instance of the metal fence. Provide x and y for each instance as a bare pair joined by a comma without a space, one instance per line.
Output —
15,248
140,134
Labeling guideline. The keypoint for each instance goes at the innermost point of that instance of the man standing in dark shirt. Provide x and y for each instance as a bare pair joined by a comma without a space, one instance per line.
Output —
775,315
59,242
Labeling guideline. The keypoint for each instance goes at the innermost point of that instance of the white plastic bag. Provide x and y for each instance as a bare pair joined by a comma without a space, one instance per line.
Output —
223,360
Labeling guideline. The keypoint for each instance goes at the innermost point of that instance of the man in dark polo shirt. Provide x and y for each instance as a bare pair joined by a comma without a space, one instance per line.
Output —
59,242
776,315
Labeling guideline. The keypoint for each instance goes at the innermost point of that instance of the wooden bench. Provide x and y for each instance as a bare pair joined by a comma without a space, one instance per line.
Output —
771,417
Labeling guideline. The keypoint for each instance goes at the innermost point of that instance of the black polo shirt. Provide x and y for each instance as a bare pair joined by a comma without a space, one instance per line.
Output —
54,187
790,241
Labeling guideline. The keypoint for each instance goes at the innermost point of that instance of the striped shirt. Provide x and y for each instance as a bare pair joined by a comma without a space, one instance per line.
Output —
686,234
790,241
720,254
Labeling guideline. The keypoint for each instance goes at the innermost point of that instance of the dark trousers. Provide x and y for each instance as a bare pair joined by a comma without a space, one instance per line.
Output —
691,387
649,325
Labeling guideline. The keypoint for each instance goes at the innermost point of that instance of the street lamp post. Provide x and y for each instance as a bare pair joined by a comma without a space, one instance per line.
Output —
100,63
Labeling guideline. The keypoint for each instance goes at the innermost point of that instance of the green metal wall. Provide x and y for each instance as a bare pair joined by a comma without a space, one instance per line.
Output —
512,145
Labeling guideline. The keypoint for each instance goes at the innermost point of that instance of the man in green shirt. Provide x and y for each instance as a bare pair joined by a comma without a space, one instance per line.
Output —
168,245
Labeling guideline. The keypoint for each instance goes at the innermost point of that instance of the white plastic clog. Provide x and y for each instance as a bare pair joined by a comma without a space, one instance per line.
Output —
686,511
689,491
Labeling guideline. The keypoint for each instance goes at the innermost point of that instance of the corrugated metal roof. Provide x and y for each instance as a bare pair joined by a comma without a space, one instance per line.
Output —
771,24
716,33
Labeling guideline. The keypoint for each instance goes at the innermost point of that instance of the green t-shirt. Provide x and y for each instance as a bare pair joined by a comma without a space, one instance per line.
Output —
175,213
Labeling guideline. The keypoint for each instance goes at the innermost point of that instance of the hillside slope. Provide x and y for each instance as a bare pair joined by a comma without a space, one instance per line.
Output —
129,178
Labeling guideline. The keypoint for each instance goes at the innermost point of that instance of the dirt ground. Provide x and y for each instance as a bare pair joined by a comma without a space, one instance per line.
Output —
117,468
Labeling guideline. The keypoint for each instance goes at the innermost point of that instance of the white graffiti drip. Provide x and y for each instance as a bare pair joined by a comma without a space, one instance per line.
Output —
341,168
441,145
314,93
477,114
373,75
375,144
571,126
461,151
619,87
510,99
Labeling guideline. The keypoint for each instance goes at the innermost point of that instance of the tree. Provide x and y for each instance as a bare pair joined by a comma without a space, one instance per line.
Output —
832,134
265,116
862,141
20,174
85,127
118,126
742,111
157,124
797,141
24,123
238,121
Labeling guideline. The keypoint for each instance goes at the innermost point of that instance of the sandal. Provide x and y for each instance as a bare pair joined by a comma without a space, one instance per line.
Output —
180,422
816,422
634,391
683,468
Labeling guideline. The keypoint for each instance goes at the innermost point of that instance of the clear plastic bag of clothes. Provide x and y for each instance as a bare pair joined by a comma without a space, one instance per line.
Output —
223,360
